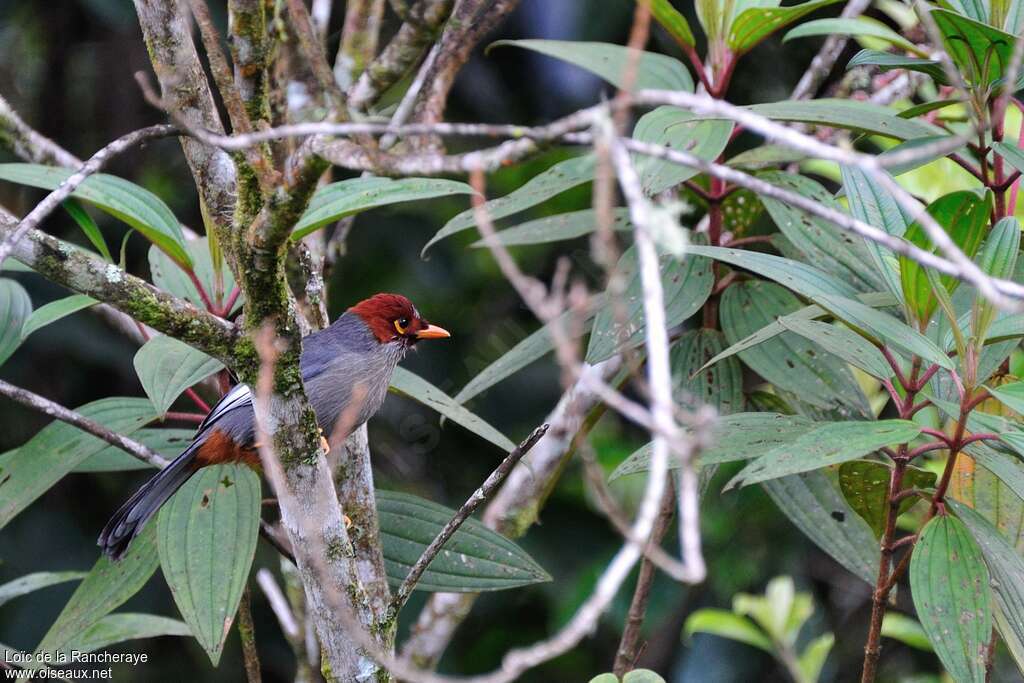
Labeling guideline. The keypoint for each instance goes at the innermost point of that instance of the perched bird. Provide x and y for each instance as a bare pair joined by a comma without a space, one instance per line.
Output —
346,369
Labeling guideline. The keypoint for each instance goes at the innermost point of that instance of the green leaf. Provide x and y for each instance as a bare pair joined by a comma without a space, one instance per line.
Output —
15,309
906,630
814,505
719,622
563,226
735,437
687,285
787,361
678,129
991,480
964,215
475,559
106,587
608,61
950,585
835,251
167,367
887,61
812,659
885,329
136,206
998,258
981,52
1010,395
865,485
801,278
563,176
167,442
1006,568
766,156
534,346
829,444
875,205
720,386
89,227
207,535
1013,154
851,114
352,196
420,390
757,23
642,676
54,311
169,276
117,628
842,343
672,21
930,143
855,26
33,582
29,471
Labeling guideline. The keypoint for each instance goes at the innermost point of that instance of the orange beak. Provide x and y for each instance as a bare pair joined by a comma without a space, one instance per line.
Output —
433,332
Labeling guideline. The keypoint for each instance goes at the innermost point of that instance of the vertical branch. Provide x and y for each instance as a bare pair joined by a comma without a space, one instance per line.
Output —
247,634
359,38
184,87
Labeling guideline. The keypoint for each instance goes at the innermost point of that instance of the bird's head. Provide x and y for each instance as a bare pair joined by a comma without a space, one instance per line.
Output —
393,318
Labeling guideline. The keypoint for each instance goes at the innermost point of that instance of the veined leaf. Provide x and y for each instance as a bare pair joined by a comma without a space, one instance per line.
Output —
348,197
950,585
887,61
58,448
981,52
787,361
875,205
720,387
865,485
766,156
54,311
1013,154
687,285
829,444
422,391
1010,395
117,628
906,630
678,129
757,23
608,61
167,367
851,114
33,582
107,586
88,226
563,176
814,505
842,343
136,206
15,309
836,251
964,215
854,26
736,437
803,279
998,258
475,559
563,226
672,21
719,622
207,536
167,442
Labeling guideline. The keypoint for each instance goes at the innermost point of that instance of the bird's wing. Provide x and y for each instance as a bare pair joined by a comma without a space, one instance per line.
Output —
240,396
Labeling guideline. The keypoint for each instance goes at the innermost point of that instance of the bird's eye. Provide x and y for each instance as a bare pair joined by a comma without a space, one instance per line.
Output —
402,324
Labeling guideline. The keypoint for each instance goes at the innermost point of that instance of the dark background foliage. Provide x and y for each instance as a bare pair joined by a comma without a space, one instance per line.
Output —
67,68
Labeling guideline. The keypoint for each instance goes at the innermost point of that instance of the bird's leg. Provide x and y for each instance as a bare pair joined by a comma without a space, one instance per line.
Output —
324,444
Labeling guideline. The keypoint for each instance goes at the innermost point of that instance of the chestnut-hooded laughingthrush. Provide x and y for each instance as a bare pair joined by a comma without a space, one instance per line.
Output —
346,370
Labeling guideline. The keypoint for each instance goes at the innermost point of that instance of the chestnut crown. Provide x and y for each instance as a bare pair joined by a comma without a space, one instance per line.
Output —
393,318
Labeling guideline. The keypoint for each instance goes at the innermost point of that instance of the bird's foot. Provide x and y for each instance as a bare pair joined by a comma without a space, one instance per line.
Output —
324,443
347,520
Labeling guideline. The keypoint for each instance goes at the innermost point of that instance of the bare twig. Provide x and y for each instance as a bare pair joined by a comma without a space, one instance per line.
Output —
278,603
90,167
247,634
55,410
826,58
483,493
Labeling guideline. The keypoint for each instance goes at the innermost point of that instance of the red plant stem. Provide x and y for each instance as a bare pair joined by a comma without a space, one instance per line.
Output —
998,110
933,446
225,310
184,417
926,377
981,436
982,396
698,190
923,404
967,166
198,400
202,291
906,540
1012,208
895,365
698,66
938,434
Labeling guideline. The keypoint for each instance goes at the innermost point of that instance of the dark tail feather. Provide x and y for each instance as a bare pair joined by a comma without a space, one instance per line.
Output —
127,523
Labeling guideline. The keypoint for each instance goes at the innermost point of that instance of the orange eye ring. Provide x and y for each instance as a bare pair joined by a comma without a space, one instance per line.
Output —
401,325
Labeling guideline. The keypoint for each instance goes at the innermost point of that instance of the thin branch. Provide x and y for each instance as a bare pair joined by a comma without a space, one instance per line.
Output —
90,167
247,634
278,603
30,145
826,58
59,412
483,493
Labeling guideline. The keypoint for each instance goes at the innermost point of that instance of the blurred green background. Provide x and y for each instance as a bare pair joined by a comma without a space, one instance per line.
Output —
67,68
